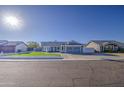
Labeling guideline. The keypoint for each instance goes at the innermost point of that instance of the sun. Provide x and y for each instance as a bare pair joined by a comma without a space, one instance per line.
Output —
12,21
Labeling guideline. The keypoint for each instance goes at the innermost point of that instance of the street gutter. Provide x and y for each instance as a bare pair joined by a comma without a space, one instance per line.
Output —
29,57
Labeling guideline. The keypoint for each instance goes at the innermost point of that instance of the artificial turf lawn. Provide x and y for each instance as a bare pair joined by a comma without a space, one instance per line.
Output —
36,54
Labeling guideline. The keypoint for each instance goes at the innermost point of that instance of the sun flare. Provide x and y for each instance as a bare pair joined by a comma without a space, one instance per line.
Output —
12,21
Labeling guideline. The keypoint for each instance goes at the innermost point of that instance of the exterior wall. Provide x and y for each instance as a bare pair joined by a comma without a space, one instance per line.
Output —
62,48
46,49
8,49
51,48
95,46
122,47
21,48
55,49
111,47
0,48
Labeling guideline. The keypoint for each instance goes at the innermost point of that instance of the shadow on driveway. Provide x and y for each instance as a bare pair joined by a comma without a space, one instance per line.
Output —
97,54
112,60
103,54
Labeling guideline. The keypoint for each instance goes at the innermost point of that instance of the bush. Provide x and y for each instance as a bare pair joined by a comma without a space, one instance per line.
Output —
121,51
108,51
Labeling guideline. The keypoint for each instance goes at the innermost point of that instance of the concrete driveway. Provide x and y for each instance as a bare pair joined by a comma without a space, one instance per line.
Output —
66,73
92,57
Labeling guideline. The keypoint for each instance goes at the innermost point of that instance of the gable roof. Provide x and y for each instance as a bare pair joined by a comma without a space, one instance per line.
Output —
13,43
121,45
101,42
2,42
56,43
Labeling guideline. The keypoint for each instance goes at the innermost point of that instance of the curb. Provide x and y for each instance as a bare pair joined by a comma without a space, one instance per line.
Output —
44,57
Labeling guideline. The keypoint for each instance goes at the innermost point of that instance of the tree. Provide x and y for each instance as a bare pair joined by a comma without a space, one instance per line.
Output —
32,44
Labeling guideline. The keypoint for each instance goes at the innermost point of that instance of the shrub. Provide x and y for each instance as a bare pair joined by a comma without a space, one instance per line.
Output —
108,51
121,51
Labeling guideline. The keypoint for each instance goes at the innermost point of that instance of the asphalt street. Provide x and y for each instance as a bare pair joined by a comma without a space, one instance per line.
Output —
66,73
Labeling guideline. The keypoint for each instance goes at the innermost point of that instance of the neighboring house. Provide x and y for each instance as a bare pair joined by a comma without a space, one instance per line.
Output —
72,47
2,42
104,45
13,46
51,46
121,45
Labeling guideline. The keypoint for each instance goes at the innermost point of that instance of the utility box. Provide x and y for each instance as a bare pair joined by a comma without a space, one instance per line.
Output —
88,50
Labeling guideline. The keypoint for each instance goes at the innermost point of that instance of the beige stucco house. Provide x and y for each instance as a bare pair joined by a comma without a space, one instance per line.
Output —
104,45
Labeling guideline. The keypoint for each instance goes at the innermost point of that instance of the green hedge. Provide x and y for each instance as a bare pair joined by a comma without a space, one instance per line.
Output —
121,51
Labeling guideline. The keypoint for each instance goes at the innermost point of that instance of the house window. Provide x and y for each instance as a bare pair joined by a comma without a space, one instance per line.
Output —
58,48
62,47
111,47
107,47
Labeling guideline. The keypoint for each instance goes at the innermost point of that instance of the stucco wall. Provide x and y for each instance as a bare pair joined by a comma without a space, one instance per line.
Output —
21,47
94,45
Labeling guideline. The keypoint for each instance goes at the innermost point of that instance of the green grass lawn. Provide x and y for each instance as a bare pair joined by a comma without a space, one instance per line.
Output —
36,54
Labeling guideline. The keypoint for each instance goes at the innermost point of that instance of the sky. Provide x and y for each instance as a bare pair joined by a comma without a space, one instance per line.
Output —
63,23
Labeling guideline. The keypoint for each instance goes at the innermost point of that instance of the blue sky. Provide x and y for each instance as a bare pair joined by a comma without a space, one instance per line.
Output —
63,23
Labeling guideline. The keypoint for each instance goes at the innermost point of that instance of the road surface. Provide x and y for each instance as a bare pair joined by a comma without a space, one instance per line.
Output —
65,73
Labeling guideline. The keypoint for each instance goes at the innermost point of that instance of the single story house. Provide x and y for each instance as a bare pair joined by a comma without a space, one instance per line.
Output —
51,46
13,46
104,45
63,47
72,47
